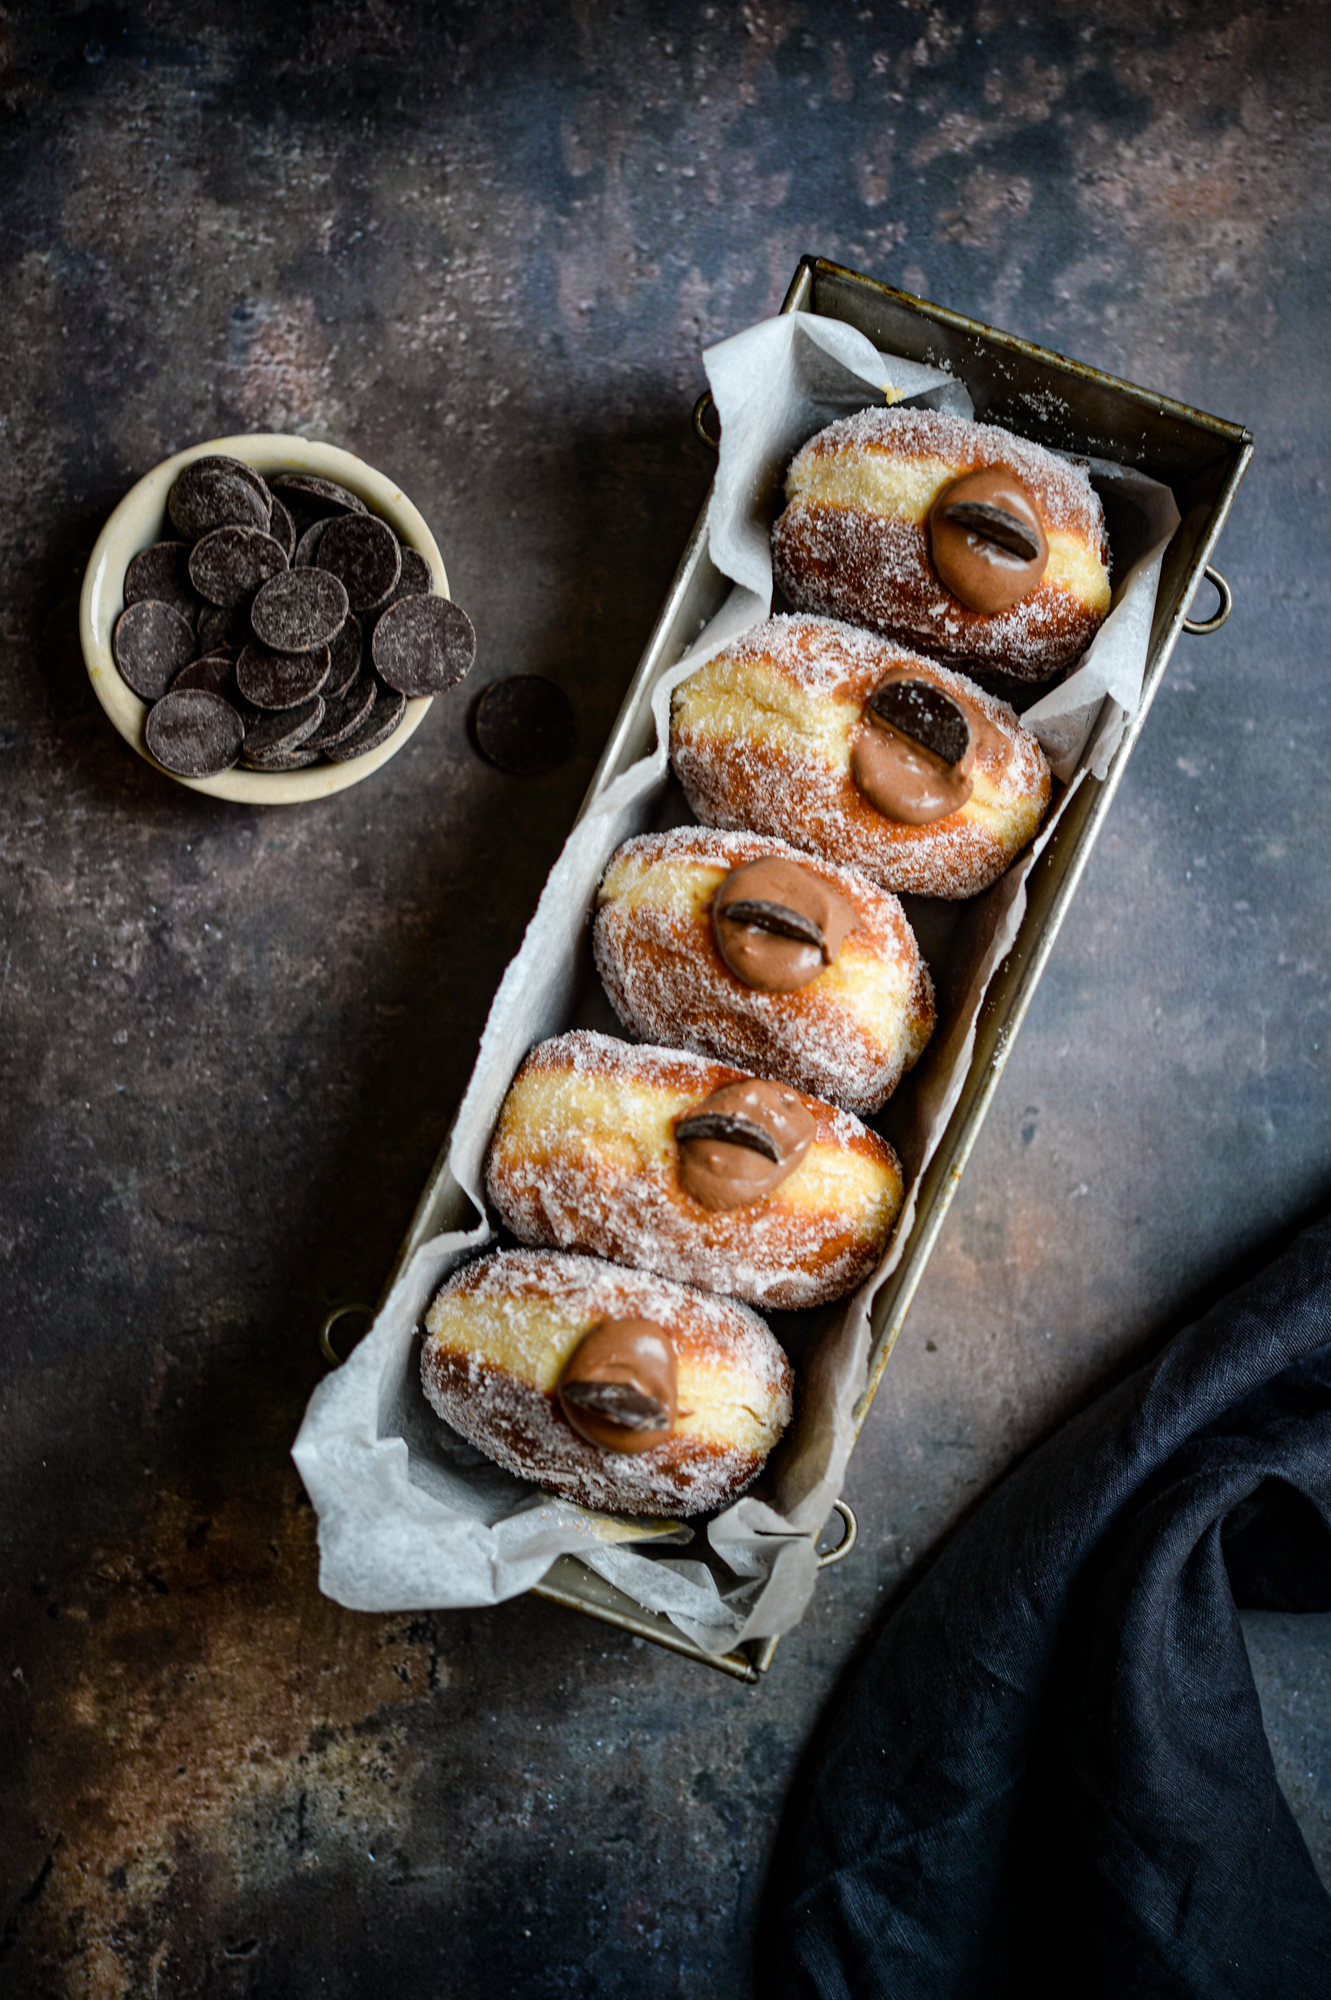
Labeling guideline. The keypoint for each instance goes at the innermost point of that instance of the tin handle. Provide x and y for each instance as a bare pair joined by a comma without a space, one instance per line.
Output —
1222,610
326,1347
700,410
850,1535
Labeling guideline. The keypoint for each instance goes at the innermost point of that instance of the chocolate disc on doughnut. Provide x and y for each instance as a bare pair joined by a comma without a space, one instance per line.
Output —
281,680
193,733
162,574
300,610
363,551
777,925
386,715
215,492
987,539
741,1143
231,563
618,1387
151,643
423,645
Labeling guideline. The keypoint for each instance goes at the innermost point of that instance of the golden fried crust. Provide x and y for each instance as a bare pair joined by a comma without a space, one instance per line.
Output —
846,1037
854,540
584,1158
761,738
500,1331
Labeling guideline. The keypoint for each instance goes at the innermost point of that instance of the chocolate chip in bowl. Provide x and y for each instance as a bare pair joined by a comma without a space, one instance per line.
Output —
206,553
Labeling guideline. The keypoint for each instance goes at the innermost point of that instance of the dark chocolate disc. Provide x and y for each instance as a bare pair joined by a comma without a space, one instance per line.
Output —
216,492
307,548
151,643
162,573
992,523
303,609
277,734
923,712
215,672
525,724
347,649
344,715
423,645
416,579
298,759
776,919
307,494
731,1129
388,711
193,733
223,625
230,564
282,528
364,552
280,680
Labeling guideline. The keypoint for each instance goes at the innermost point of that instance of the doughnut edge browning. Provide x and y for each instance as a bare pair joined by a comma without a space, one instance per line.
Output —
531,1308
848,1037
854,542
761,738
584,1158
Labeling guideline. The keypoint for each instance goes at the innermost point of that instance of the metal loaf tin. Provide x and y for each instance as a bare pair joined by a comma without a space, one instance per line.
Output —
1071,408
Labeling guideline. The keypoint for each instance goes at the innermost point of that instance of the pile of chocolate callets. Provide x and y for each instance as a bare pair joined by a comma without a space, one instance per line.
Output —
287,624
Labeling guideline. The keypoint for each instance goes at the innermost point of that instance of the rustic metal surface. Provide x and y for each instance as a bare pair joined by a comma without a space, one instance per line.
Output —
482,247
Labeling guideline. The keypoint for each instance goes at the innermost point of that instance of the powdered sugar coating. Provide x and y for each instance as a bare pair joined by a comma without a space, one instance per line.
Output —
584,1158
501,1329
854,540
761,739
846,1037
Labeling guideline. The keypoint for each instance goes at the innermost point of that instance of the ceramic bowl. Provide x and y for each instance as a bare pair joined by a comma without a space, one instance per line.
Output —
140,520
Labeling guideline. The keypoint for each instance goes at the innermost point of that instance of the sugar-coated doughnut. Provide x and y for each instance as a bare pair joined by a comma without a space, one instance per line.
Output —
780,734
688,1167
678,1396
846,1032
955,537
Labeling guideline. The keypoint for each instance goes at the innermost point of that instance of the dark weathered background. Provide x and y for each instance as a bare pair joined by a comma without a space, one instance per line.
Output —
483,246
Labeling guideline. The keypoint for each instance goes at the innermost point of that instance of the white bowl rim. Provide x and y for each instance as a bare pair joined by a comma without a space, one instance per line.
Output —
137,522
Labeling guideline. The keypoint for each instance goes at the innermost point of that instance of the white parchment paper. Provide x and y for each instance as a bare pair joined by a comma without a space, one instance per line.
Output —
412,1517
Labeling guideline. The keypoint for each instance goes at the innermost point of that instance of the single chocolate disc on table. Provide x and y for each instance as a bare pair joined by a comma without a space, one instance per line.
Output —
282,528
215,672
162,573
280,680
193,733
151,643
307,548
304,493
230,564
215,492
525,724
277,734
347,649
364,552
345,713
423,645
388,711
303,609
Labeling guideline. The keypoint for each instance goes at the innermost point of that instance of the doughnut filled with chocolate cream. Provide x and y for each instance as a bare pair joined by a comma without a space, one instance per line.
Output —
860,751
959,538
741,947
688,1167
613,1388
